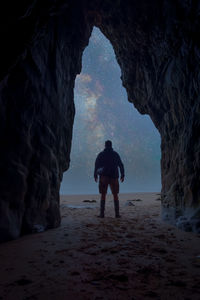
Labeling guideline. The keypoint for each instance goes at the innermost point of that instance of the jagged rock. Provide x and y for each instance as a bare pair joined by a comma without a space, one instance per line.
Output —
90,201
157,47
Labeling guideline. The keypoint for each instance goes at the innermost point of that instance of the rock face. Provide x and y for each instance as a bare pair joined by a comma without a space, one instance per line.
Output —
157,47
37,112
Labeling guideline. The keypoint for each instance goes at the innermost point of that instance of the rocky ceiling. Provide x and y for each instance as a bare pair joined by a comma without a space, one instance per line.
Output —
157,46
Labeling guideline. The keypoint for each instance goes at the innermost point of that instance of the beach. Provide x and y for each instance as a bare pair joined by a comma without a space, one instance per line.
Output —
137,256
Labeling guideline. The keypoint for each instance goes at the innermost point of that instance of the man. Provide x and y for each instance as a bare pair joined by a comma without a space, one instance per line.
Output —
106,166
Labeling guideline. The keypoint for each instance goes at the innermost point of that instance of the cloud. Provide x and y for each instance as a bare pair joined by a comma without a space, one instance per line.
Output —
84,78
99,87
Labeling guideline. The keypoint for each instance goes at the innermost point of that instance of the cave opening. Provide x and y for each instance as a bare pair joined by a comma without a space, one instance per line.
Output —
103,112
157,49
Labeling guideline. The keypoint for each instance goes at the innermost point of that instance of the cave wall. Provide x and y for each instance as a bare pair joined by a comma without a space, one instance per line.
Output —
157,47
37,113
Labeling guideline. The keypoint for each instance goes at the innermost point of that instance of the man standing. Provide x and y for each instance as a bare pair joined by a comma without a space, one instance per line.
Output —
106,166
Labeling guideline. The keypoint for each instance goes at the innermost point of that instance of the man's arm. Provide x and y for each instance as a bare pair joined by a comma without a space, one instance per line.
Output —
121,167
96,167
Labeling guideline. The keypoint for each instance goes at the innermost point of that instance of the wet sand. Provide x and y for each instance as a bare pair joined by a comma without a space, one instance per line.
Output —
135,257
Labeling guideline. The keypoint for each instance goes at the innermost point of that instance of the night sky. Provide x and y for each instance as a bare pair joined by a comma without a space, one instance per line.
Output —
103,112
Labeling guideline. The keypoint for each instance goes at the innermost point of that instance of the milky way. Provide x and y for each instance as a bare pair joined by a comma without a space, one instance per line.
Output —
103,112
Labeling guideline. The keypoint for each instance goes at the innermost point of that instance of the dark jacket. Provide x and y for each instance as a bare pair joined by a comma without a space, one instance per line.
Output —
107,163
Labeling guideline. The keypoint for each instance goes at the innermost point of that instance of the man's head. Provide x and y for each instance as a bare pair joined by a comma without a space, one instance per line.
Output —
108,144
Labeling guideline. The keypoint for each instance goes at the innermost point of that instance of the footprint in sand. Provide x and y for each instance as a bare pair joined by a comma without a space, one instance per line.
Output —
151,294
179,283
129,203
118,277
160,236
23,281
160,250
75,273
48,262
61,261
63,251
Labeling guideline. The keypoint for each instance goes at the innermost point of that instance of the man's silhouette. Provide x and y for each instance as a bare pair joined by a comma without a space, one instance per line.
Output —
106,166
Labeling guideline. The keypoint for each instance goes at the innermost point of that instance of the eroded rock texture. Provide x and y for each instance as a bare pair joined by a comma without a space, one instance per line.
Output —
37,113
157,47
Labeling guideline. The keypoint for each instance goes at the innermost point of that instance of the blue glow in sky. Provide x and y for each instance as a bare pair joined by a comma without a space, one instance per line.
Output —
103,112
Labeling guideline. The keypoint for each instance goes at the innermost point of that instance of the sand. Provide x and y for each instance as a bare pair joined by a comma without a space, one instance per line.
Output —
135,257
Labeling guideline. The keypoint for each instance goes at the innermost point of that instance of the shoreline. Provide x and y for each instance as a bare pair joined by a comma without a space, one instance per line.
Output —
109,193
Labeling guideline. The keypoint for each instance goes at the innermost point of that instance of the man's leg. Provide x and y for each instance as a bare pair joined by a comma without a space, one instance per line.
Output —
116,204
102,205
103,187
114,185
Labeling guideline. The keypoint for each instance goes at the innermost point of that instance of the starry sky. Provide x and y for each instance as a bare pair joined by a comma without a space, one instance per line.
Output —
103,112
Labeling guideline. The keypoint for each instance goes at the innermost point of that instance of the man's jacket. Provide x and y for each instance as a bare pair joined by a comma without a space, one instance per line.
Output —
107,164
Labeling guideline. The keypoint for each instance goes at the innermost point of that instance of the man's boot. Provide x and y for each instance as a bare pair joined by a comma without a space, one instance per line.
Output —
102,208
116,204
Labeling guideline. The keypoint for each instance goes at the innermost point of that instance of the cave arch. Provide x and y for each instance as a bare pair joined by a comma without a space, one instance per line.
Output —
157,47
102,113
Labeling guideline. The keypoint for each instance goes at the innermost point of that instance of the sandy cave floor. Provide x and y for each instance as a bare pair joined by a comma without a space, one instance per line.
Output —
135,257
